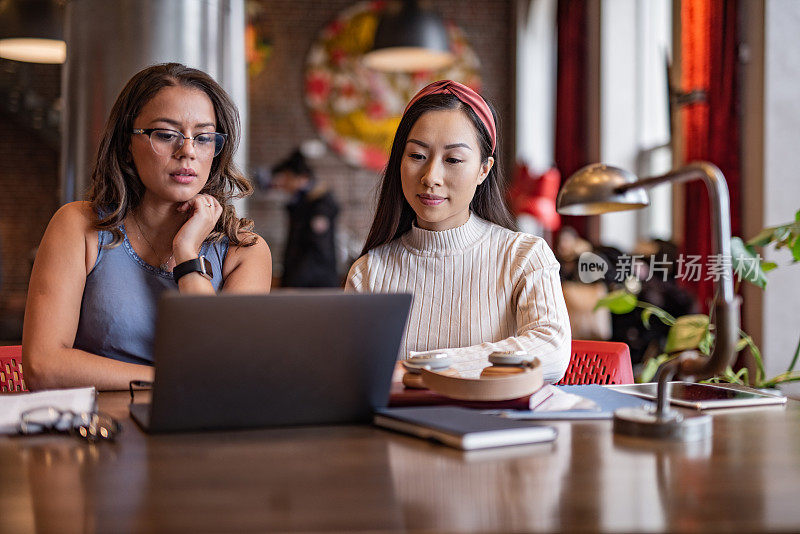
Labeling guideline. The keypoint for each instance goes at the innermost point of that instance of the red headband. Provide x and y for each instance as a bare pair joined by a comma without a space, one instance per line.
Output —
467,96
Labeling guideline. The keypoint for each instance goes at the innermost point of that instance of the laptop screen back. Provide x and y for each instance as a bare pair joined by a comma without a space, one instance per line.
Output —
233,361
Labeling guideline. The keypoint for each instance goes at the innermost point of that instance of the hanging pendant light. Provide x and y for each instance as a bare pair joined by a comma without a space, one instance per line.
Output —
409,38
32,31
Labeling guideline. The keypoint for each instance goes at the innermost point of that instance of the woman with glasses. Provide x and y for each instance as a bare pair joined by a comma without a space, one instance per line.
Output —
442,232
158,217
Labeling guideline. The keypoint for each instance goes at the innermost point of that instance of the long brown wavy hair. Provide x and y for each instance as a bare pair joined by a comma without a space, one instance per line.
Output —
115,187
394,216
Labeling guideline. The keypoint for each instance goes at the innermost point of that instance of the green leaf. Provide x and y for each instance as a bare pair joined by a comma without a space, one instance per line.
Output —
756,353
767,266
618,302
729,377
794,358
663,316
742,377
742,343
782,379
764,237
746,263
721,378
781,236
796,249
797,216
646,314
651,366
706,343
687,333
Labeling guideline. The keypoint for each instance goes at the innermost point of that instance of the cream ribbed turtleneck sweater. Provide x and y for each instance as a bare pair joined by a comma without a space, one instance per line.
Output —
477,288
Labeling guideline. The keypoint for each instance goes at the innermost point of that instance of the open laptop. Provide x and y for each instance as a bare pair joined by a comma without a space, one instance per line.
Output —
302,358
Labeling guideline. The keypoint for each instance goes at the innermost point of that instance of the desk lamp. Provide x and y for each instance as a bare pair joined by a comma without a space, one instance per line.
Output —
599,188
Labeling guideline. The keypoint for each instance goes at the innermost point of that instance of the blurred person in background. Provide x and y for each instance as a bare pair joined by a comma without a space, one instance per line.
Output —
585,321
310,256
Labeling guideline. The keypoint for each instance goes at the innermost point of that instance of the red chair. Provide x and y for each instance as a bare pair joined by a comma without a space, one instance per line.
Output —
592,362
11,369
598,362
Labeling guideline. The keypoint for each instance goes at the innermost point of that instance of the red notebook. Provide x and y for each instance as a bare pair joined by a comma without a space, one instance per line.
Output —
401,396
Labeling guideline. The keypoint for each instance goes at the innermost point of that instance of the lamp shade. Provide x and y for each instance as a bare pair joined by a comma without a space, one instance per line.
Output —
32,31
409,38
593,190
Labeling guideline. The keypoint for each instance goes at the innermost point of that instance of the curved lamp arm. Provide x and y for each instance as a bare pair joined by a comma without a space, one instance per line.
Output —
726,305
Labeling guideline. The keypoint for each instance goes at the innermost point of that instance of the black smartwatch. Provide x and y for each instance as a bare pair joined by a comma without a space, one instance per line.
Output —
198,265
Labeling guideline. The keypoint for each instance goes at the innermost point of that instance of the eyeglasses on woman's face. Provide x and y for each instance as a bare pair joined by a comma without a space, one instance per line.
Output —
166,142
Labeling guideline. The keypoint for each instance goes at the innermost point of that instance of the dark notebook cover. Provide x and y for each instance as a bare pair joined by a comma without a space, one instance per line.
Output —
461,427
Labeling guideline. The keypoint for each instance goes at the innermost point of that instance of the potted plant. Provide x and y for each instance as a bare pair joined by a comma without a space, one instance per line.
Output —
695,332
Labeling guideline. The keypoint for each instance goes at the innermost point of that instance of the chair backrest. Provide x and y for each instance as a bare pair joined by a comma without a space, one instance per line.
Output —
11,369
598,362
592,362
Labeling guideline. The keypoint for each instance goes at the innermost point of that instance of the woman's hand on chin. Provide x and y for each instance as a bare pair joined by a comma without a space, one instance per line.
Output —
204,212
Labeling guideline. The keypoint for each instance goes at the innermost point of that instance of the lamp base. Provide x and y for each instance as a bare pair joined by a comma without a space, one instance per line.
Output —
670,425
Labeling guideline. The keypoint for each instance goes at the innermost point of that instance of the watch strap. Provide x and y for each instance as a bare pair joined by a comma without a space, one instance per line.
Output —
197,265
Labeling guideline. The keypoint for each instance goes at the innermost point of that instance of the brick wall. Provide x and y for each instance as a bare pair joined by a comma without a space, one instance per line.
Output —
28,180
279,120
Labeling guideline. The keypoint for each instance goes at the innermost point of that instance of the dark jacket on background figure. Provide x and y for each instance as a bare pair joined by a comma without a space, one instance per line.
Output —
310,256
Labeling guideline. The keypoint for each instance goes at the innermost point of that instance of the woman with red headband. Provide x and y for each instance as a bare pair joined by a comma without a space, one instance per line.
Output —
443,232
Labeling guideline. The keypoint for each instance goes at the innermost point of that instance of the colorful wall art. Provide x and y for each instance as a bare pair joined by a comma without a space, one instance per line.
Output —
356,109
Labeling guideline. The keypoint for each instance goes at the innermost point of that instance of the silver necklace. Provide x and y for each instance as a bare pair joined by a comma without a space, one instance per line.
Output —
165,264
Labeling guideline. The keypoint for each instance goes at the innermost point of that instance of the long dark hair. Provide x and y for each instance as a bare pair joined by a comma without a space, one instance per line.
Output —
115,185
394,216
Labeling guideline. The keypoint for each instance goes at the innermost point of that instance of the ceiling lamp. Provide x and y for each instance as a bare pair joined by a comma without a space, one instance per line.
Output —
409,38
32,31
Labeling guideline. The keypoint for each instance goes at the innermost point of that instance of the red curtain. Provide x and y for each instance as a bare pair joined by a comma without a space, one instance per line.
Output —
571,141
709,48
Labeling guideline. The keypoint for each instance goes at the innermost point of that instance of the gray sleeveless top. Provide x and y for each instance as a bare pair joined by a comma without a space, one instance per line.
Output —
118,310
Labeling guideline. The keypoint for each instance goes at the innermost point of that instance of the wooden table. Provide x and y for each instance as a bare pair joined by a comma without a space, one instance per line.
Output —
351,478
